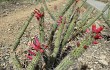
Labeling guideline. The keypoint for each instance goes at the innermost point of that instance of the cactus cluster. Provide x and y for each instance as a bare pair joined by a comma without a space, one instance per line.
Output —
60,36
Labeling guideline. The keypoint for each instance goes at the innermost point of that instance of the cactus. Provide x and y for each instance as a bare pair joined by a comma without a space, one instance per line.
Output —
69,31
59,36
31,66
74,54
41,27
97,16
15,60
22,32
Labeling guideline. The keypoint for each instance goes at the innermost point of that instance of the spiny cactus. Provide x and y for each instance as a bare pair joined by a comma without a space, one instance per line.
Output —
59,37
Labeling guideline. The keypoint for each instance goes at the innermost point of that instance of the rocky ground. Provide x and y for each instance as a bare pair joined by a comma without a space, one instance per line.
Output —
12,18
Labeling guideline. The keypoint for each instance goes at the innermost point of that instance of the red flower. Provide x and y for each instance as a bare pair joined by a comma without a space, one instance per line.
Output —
32,53
93,28
36,45
85,47
38,14
95,42
60,20
99,29
96,30
28,56
97,36
87,31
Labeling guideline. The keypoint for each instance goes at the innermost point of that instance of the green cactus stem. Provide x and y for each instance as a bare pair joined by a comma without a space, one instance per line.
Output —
69,31
51,15
70,2
22,32
41,27
74,54
36,59
86,16
67,6
58,38
78,6
15,61
34,62
97,16
106,21
90,22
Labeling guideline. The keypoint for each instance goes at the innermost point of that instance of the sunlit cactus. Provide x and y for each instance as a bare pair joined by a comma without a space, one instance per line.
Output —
48,53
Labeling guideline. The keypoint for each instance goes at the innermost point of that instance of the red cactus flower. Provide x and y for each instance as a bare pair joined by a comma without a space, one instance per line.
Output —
97,36
38,14
93,28
32,53
96,30
60,20
29,57
99,29
36,45
87,31
95,42
85,47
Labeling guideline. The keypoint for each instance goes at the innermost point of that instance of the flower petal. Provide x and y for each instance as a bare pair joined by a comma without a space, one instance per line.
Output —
87,30
93,28
41,50
99,29
97,36
29,57
32,53
95,42
37,43
34,46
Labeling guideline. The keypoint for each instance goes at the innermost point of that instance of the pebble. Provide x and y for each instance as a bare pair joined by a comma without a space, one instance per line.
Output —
104,62
102,57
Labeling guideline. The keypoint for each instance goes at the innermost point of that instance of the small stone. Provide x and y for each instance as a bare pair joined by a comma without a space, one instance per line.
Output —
91,69
102,57
104,62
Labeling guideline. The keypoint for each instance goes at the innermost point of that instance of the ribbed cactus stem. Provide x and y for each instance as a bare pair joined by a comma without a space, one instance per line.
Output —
58,38
74,54
70,2
109,13
106,20
22,32
41,27
15,60
36,59
65,63
51,15
67,6
34,62
97,16
86,15
16,63
69,31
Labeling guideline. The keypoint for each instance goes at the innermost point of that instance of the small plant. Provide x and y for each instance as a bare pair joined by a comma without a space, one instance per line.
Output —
50,54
